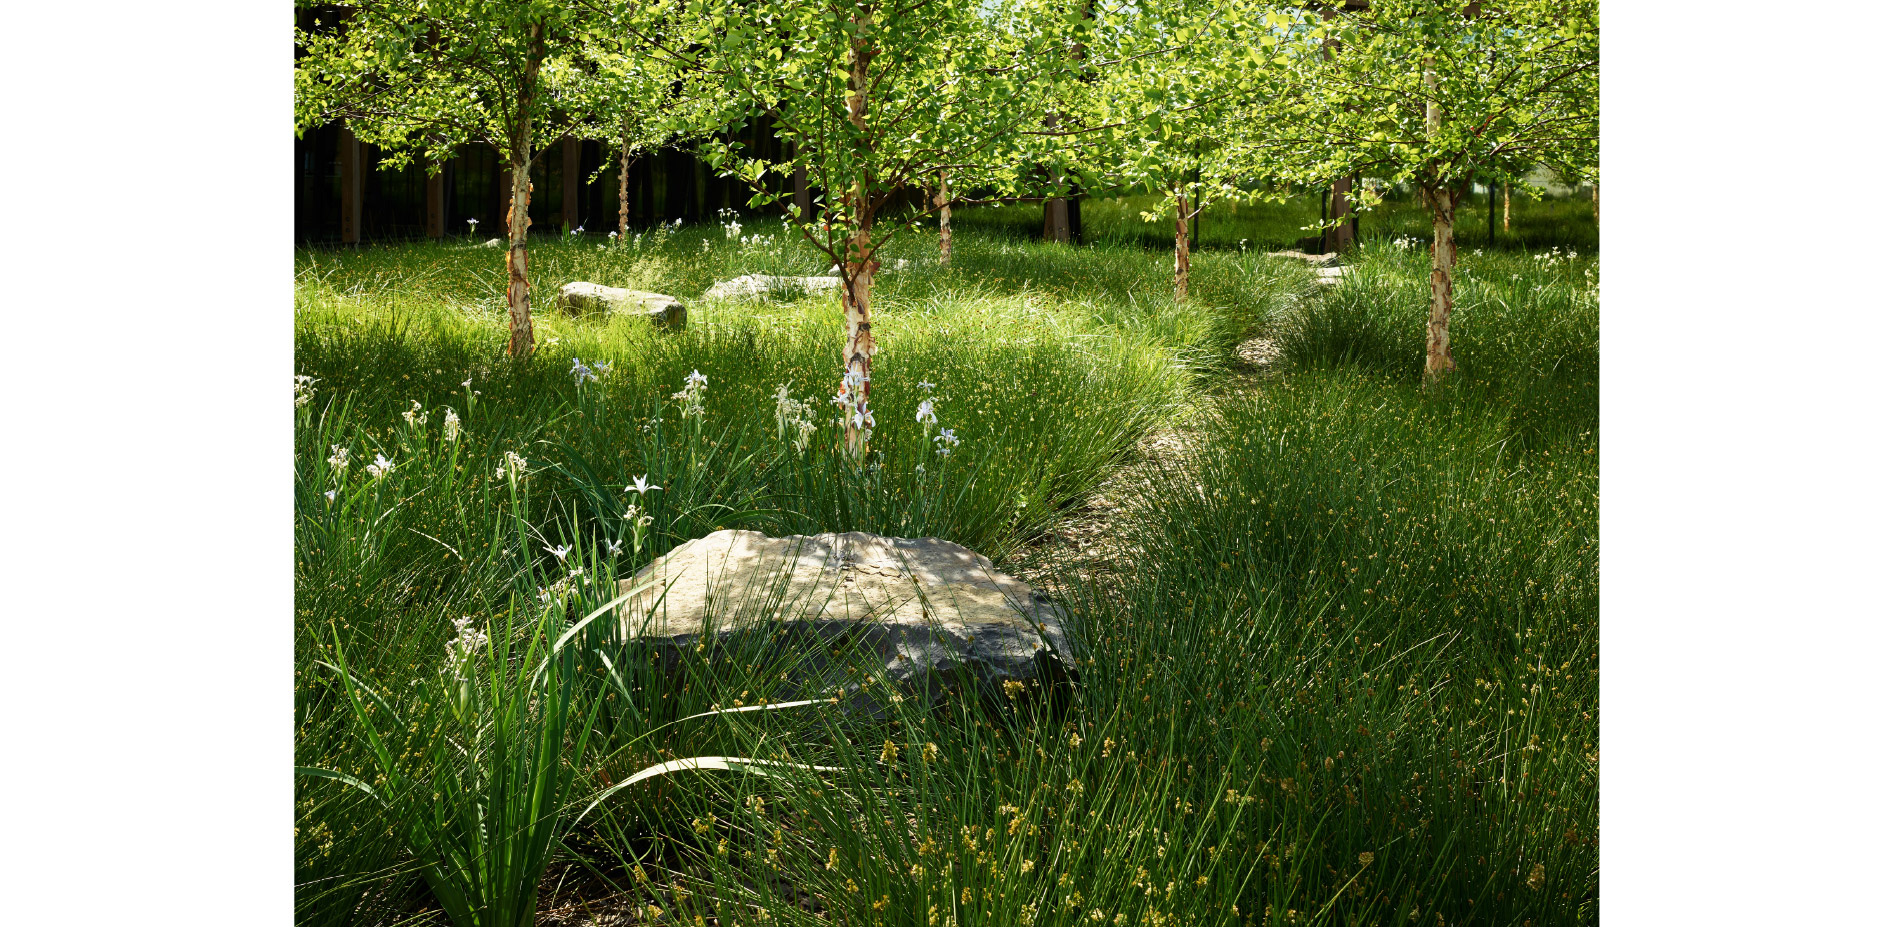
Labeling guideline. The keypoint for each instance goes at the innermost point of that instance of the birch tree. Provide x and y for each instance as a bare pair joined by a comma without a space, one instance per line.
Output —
880,99
1202,73
421,77
1443,93
637,95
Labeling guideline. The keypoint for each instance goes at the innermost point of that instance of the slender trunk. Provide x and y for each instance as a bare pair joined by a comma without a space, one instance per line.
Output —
1182,213
1490,215
1438,197
626,150
1507,207
858,270
943,218
1438,327
432,210
1339,237
1595,215
520,322
801,191
1055,209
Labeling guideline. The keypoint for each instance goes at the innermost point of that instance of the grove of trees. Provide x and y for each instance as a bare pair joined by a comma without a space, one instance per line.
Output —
895,110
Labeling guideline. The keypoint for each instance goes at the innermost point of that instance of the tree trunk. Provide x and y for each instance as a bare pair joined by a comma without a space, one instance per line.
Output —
1182,213
1595,215
1437,192
570,184
1490,215
350,153
1339,237
858,270
432,223
520,323
801,190
1438,327
1507,208
943,218
626,149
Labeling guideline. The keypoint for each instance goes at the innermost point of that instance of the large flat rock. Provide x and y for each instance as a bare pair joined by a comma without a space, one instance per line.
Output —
662,309
930,611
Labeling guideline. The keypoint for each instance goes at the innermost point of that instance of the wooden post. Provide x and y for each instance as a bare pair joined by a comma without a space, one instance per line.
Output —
350,152
432,216
570,184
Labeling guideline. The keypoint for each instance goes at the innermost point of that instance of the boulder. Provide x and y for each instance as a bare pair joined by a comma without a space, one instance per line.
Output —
762,286
932,613
664,310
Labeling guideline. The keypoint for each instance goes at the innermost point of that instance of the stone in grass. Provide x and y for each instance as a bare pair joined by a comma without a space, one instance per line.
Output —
932,613
664,310
765,286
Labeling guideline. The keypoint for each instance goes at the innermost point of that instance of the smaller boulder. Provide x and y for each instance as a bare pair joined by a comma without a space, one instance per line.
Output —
663,310
764,286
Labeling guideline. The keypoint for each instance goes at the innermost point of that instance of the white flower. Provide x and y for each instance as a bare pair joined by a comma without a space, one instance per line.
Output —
466,641
306,390
613,235
640,485
471,225
511,465
926,385
339,457
582,373
451,426
415,416
380,466
695,377
863,418
927,412
330,495
803,439
948,439
560,553
614,548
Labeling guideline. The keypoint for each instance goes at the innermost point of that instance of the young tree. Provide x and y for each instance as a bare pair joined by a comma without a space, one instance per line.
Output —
421,77
1444,92
1202,72
636,95
880,98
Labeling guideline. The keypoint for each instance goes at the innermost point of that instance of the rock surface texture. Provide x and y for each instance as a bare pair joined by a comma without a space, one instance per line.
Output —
664,310
928,610
762,286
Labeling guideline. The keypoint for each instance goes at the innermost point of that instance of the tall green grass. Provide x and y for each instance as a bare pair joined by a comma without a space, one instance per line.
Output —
1350,678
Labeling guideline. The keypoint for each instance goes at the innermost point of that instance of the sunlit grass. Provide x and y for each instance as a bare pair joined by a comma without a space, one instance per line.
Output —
1350,677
